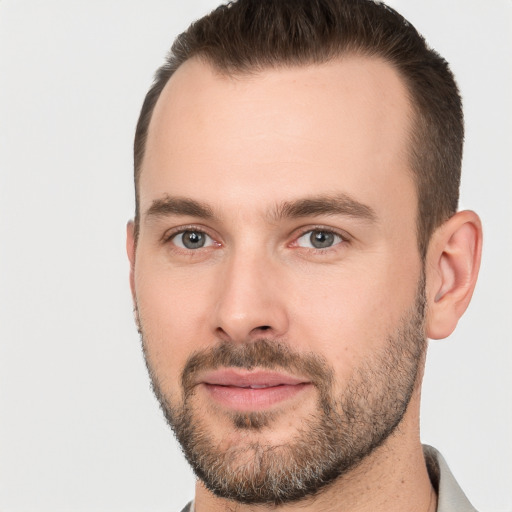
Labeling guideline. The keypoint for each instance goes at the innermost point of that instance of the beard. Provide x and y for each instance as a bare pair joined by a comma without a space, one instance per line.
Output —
342,431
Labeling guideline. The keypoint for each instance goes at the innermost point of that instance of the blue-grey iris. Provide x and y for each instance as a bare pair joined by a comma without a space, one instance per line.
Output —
321,239
193,239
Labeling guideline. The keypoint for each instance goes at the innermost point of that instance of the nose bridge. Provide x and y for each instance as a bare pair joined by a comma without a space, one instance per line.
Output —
249,302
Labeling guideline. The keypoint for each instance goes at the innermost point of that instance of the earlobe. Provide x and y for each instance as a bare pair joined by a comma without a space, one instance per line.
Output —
453,261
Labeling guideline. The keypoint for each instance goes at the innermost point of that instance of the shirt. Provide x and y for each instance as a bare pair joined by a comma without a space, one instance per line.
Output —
450,497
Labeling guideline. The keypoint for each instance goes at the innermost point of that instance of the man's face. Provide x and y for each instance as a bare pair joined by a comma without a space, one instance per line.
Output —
277,278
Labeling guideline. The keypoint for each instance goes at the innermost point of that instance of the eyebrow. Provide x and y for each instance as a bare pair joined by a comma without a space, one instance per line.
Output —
180,206
339,204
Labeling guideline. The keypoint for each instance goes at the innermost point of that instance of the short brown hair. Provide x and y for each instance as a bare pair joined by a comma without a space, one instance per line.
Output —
248,36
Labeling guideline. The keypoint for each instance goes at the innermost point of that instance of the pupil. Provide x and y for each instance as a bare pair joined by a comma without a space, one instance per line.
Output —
193,239
321,239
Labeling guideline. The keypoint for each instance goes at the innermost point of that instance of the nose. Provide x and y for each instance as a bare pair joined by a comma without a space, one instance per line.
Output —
251,301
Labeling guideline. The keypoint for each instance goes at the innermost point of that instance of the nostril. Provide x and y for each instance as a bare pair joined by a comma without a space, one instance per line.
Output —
264,327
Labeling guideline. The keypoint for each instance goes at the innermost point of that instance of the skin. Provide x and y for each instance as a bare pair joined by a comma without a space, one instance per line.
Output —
243,146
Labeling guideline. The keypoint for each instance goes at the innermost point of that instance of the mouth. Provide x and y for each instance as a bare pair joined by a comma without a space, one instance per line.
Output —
258,390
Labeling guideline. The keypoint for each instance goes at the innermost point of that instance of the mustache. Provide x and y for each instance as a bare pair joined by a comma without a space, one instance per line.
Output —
263,353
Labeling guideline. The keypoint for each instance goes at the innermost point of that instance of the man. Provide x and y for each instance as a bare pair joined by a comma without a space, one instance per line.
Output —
295,243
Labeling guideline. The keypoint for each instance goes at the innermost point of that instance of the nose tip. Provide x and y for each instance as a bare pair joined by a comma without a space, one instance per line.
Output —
250,303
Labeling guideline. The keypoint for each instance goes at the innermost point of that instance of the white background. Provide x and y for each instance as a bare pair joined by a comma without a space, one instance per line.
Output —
79,427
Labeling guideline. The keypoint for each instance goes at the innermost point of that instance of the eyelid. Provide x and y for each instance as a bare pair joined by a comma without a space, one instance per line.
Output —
169,234
345,237
327,229
172,232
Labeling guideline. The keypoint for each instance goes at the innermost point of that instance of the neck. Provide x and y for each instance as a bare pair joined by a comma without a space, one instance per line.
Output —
393,478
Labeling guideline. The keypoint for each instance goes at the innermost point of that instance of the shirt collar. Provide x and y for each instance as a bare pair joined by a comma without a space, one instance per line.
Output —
450,497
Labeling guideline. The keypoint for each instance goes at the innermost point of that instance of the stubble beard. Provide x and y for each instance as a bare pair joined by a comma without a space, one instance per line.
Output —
331,442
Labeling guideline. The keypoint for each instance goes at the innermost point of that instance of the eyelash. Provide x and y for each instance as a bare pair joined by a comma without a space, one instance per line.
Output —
169,235
345,239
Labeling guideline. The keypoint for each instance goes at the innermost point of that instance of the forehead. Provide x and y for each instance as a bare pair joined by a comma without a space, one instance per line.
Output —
272,135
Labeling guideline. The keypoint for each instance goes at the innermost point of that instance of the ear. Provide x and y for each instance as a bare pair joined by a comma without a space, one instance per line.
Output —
130,250
453,261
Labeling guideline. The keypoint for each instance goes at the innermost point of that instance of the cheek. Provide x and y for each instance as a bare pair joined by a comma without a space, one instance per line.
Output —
173,314
348,315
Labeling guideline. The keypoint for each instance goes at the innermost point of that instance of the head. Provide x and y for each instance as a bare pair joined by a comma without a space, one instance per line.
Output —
295,240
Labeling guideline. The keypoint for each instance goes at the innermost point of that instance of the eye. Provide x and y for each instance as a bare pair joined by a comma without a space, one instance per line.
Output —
192,239
319,239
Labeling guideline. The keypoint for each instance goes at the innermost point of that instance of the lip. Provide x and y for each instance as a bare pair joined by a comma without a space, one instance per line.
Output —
256,390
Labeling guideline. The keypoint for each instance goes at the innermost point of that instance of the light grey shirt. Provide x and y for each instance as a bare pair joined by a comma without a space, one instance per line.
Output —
450,497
